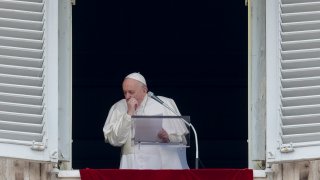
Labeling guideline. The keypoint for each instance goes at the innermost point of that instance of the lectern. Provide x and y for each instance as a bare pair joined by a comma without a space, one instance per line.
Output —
145,131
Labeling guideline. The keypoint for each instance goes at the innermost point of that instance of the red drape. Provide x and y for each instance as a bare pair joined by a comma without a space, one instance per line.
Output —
203,174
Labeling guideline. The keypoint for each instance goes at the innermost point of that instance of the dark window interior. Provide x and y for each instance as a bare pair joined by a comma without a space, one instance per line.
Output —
192,51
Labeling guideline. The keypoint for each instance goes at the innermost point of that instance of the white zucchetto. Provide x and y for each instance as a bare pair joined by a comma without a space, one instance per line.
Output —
138,77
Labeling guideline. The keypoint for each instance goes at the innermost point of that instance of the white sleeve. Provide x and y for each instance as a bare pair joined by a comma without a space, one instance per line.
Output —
177,138
117,127
174,106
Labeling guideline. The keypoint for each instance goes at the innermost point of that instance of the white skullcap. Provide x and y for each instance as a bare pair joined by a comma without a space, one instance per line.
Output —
138,77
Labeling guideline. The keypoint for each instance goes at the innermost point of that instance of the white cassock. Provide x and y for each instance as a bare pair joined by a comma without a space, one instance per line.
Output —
117,132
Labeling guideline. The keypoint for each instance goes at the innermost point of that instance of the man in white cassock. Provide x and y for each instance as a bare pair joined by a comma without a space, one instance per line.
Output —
118,131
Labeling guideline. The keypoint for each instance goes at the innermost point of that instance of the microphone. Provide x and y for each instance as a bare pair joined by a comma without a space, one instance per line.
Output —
150,94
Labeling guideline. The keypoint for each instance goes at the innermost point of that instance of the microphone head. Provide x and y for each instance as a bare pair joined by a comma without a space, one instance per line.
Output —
150,94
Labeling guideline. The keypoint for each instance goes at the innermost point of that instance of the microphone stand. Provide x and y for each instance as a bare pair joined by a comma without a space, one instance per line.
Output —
193,129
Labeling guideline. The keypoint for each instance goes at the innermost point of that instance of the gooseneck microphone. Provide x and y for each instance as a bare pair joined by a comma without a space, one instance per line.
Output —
156,98
150,94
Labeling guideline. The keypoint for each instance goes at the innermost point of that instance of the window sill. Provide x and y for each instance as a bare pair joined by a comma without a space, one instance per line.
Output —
75,174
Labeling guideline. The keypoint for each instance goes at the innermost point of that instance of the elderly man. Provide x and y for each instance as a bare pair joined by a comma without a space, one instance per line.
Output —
118,132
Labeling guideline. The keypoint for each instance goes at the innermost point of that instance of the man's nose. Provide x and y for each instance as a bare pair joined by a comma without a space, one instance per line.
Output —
127,96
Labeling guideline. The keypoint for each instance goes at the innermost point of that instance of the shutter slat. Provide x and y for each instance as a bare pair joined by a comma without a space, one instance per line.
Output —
302,44
296,138
22,71
306,119
302,100
21,80
21,61
21,52
22,43
22,136
300,7
300,73
301,128
21,24
300,82
297,63
300,26
300,91
300,17
23,127
37,1
21,117
21,108
300,54
297,1
22,15
301,110
22,99
21,5
300,35
21,33
21,89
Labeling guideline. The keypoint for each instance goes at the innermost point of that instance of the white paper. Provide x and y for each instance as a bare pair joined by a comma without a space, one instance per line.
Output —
146,130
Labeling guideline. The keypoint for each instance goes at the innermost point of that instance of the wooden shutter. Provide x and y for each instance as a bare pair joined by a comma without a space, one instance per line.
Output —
28,79
295,64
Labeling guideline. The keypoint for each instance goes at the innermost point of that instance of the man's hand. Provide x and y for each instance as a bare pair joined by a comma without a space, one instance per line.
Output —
164,136
132,104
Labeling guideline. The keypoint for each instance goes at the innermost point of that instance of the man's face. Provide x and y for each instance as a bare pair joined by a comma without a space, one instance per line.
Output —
134,89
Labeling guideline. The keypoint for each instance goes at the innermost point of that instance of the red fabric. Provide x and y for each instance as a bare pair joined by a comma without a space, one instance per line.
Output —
203,174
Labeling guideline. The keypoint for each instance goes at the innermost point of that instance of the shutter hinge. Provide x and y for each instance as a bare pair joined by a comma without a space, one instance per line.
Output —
270,155
73,2
38,146
54,155
286,148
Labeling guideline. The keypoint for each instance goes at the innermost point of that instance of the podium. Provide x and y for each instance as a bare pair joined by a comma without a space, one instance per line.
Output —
146,129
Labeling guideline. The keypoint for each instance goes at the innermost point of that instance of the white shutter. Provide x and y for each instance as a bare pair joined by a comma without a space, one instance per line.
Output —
293,82
28,79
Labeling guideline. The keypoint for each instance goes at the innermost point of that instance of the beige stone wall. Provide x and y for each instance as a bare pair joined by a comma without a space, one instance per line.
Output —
304,170
11,169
